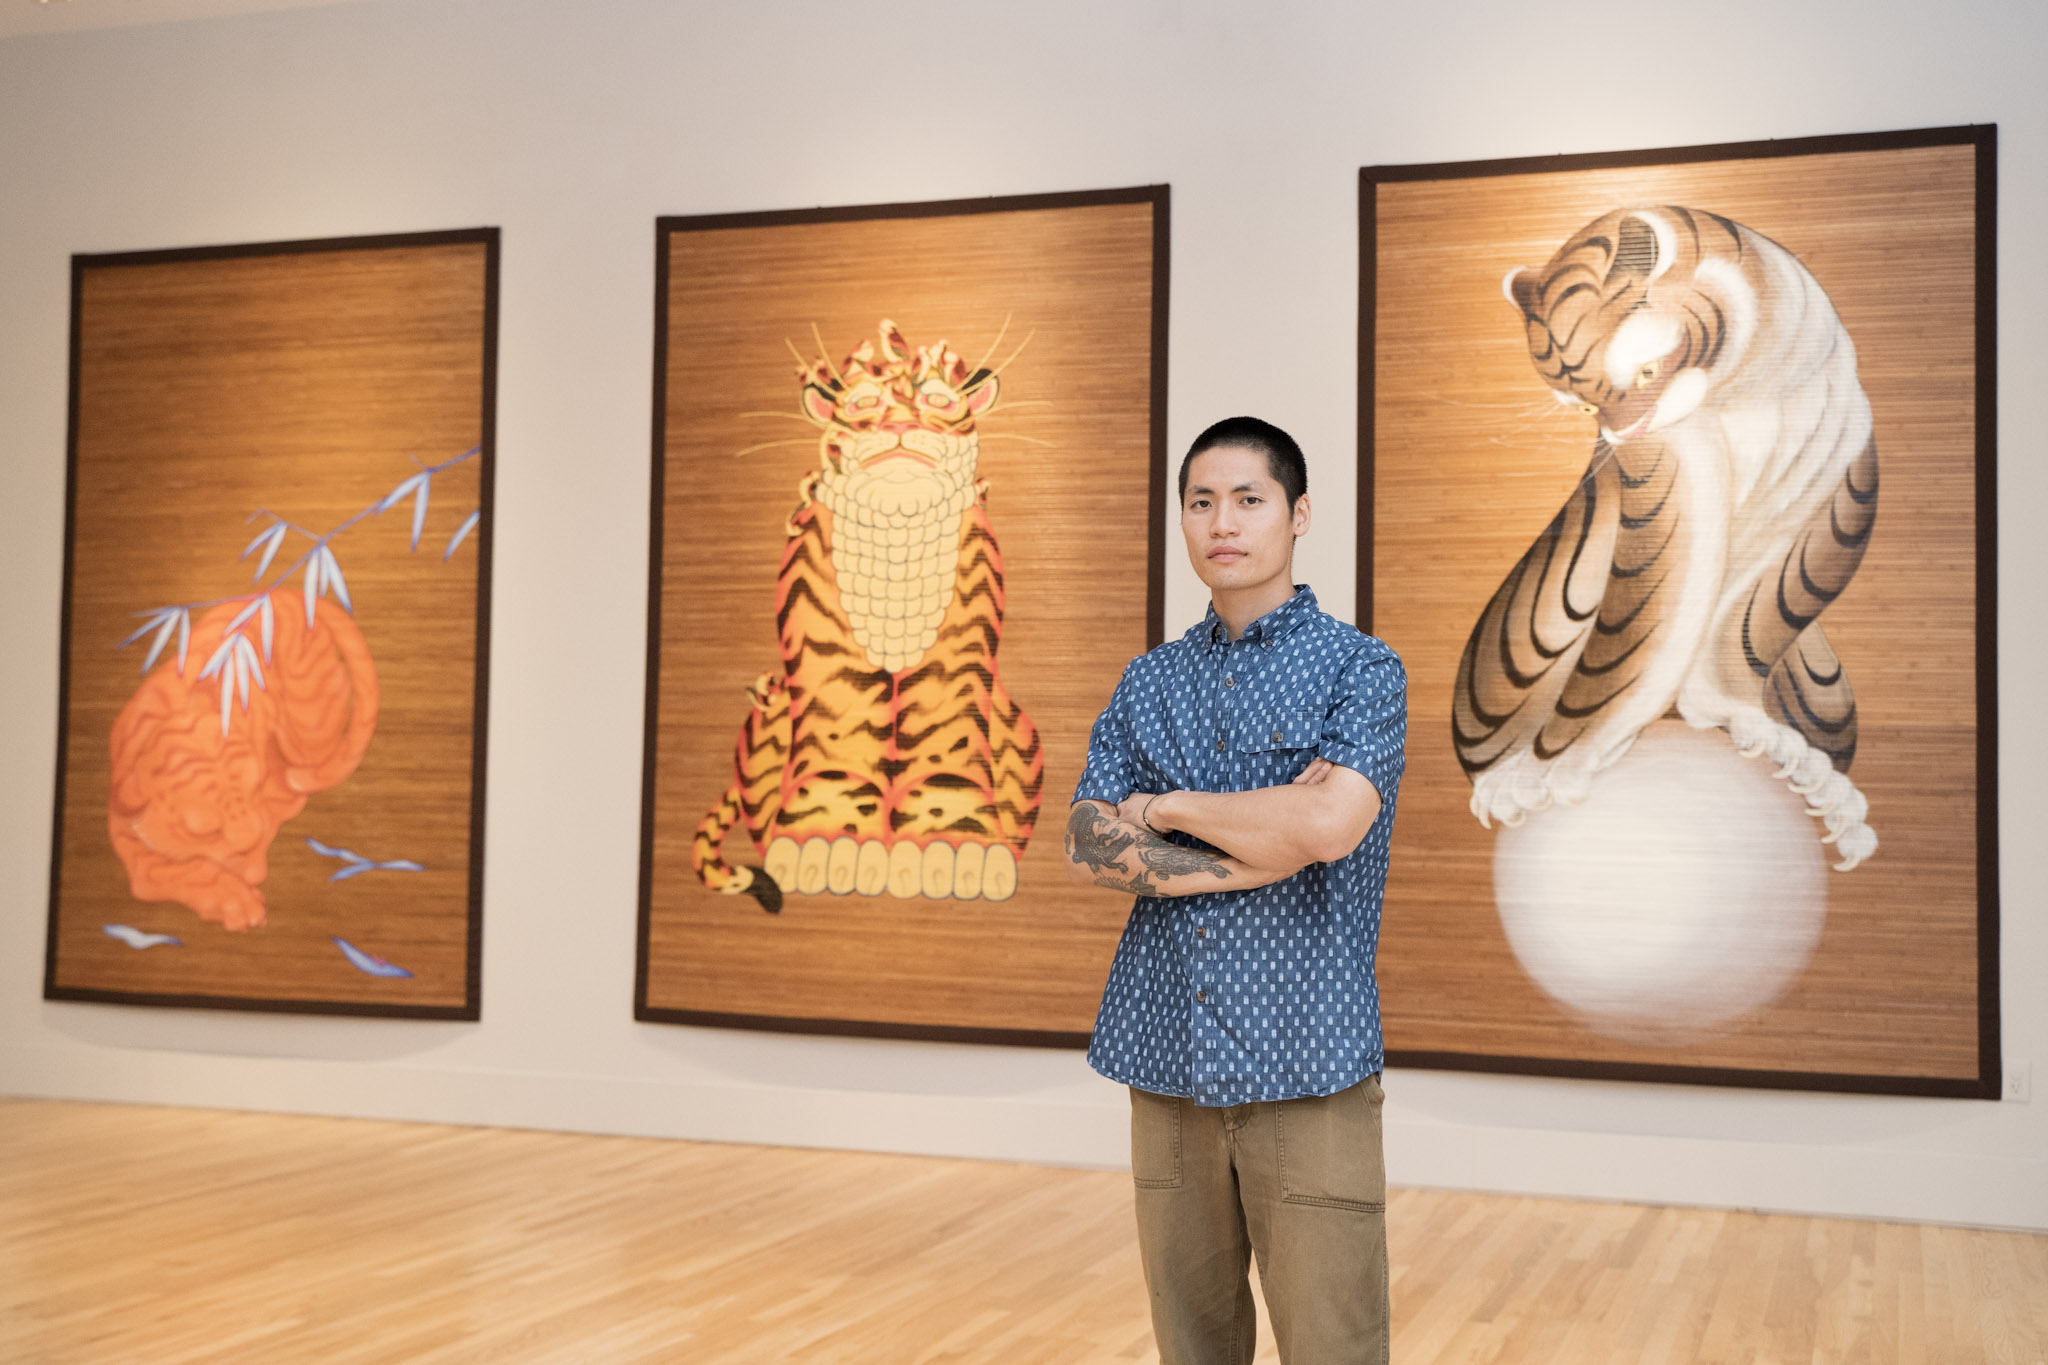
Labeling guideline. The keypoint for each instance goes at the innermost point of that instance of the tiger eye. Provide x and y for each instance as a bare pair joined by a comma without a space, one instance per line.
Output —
1648,373
1591,410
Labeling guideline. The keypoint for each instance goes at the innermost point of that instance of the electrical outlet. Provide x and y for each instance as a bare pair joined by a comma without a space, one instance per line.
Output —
2019,1082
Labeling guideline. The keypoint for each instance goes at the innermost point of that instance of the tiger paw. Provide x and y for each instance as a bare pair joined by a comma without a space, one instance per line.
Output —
871,867
1830,796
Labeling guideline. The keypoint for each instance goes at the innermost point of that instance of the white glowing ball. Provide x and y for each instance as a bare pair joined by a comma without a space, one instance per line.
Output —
1687,891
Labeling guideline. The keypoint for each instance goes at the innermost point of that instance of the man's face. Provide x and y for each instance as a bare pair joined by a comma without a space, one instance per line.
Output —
1239,528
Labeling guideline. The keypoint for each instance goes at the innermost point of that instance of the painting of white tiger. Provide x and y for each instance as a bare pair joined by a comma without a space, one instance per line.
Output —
1677,471
1731,494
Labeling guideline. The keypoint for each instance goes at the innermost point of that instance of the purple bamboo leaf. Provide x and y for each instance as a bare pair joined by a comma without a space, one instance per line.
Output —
391,499
156,619
368,962
331,576
241,667
325,850
184,637
270,550
250,548
312,586
136,938
400,865
266,618
246,652
227,697
468,523
244,614
351,870
419,511
219,657
163,637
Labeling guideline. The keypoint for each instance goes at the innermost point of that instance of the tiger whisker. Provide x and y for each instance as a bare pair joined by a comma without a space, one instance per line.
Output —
1011,436
1014,354
1003,332
792,416
823,350
803,364
770,445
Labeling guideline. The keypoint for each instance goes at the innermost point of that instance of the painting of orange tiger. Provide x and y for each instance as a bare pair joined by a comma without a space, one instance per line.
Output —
883,755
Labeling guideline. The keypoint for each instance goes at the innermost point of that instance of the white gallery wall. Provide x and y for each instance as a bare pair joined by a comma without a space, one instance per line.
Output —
572,126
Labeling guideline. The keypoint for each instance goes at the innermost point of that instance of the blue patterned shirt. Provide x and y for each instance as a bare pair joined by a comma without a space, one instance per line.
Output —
1265,994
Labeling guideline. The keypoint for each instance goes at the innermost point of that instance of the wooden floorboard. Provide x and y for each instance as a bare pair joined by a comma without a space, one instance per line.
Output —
189,1237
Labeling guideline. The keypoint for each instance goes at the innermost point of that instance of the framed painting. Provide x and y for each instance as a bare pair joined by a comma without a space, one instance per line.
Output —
1677,499
906,533
276,612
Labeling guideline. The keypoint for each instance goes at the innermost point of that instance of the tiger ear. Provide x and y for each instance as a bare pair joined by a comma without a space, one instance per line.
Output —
1518,287
893,344
982,396
818,405
1645,246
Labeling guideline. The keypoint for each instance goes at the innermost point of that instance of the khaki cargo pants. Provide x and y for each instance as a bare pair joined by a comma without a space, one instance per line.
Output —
1302,1184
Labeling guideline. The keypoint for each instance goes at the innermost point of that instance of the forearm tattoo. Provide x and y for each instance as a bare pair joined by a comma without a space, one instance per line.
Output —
1101,844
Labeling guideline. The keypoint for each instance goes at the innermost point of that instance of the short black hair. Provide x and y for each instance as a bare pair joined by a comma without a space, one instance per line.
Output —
1283,456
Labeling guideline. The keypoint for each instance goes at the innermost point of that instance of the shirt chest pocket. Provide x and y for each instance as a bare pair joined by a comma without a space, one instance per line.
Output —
1275,747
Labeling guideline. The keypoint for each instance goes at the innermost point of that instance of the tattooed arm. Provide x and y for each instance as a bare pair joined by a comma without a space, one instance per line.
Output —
1103,850
1319,817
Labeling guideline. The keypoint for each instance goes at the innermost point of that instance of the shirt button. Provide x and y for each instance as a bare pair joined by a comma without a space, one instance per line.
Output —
1230,682
1219,746
1201,932
1276,736
1201,997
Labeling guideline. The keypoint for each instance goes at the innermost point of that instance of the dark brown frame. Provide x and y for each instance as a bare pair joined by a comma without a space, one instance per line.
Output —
1984,138
472,1006
1159,197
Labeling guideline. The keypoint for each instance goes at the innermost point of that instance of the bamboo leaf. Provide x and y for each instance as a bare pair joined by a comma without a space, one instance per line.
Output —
247,654
419,510
184,636
227,697
241,667
218,657
276,539
155,619
312,586
391,499
267,614
351,870
468,523
331,575
163,637
250,548
244,614
324,850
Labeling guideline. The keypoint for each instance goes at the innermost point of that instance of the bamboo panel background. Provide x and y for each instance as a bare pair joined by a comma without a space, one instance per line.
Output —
301,383
1472,458
1071,517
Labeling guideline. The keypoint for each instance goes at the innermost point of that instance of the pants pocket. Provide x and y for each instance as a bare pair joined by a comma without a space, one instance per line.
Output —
1331,1150
1155,1140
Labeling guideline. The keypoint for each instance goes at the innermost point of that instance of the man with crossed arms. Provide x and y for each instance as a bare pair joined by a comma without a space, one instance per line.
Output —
1241,784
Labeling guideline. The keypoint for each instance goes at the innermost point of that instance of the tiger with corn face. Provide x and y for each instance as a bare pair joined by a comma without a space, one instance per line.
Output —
885,756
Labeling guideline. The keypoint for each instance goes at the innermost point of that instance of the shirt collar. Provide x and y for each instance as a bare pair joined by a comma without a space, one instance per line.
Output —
1274,625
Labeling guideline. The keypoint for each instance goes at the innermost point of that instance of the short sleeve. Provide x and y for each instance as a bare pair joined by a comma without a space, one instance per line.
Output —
1112,771
1366,728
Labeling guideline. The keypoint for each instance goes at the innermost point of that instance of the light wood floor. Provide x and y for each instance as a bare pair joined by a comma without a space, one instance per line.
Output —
145,1236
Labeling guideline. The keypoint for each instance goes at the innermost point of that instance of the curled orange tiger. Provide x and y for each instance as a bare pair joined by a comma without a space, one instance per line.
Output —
195,802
